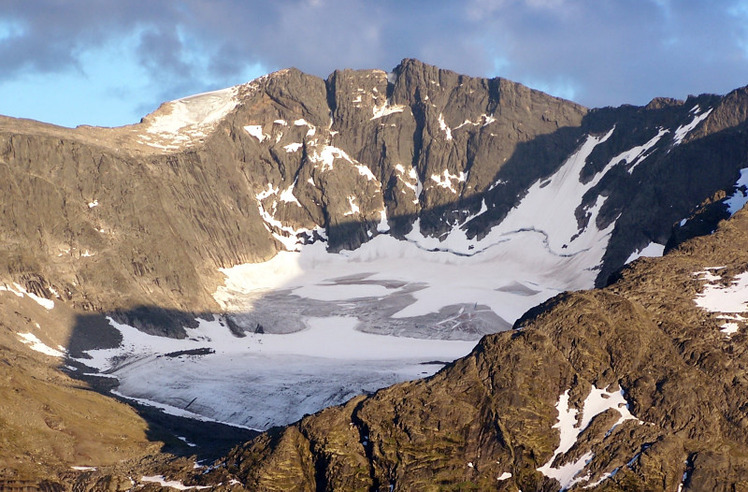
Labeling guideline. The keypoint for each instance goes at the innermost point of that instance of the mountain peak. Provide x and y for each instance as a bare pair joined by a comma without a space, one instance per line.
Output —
188,119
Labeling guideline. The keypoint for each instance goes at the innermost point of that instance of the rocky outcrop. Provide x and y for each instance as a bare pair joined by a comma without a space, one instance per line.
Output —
493,419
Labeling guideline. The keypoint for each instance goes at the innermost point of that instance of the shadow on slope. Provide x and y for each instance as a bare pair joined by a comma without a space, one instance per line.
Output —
180,436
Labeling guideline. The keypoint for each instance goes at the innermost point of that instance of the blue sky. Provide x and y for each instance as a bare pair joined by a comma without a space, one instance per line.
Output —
110,62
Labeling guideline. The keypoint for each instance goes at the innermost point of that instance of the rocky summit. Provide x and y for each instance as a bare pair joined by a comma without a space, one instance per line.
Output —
243,258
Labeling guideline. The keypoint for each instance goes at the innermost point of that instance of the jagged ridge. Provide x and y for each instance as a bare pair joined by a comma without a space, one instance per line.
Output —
290,157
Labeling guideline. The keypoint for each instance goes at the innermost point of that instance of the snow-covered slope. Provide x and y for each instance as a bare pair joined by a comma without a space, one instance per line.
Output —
331,325
187,120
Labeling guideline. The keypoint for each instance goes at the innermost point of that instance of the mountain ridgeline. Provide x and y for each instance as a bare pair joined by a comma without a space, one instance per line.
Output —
112,219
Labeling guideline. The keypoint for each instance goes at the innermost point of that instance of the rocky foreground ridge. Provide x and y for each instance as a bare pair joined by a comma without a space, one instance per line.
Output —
635,386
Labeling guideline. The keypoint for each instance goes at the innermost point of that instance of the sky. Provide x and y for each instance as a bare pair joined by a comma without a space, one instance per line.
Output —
111,62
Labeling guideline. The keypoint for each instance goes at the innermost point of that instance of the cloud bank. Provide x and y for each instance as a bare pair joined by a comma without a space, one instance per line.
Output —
597,53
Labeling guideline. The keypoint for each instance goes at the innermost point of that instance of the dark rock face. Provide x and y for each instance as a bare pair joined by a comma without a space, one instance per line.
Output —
493,413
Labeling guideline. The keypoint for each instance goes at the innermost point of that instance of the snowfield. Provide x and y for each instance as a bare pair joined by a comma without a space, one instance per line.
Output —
262,380
323,327
332,326
730,301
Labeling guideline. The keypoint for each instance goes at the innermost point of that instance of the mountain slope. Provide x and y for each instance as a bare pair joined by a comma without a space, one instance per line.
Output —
278,221
224,178
643,379
51,422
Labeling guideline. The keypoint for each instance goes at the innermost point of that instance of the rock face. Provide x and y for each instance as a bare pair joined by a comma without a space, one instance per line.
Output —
637,386
114,219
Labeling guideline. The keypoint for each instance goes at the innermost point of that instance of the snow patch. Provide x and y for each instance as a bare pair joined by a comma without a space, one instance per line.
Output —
651,250
20,291
290,237
602,478
498,182
600,400
181,122
728,300
684,130
739,197
718,298
187,442
447,179
483,120
35,344
383,225
327,155
597,402
366,172
293,147
410,180
287,195
271,190
385,110
172,484
638,154
443,127
256,131
729,329
354,207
